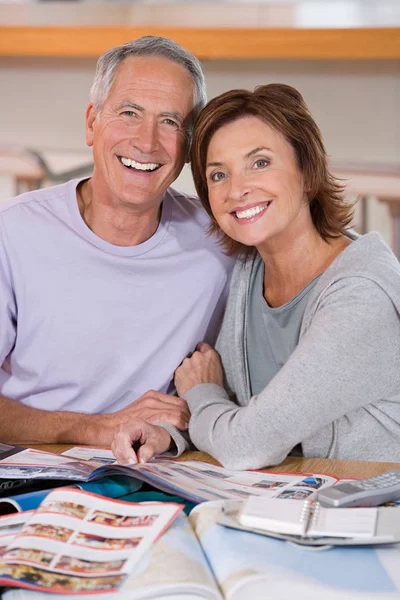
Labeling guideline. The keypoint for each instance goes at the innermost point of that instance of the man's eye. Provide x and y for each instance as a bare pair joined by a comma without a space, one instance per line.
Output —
129,113
171,123
260,163
218,176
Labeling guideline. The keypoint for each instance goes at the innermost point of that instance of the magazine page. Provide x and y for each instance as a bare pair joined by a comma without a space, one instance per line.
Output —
198,481
80,542
10,526
8,450
36,464
174,568
247,565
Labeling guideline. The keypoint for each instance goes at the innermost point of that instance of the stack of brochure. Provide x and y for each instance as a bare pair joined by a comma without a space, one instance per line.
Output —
79,542
197,559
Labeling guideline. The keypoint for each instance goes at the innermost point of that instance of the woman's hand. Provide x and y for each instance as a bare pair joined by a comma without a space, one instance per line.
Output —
138,441
204,366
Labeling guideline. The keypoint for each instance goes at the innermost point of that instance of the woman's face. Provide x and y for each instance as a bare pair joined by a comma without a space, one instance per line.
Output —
255,187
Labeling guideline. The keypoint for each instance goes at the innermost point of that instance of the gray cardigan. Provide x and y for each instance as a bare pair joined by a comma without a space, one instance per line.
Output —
339,392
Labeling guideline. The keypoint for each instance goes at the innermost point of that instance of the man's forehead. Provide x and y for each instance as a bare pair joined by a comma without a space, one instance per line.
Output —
155,79
153,71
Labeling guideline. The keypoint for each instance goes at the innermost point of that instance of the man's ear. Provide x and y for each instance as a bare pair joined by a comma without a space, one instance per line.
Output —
90,117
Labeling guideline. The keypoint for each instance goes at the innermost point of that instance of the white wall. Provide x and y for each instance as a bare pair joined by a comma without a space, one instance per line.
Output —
356,104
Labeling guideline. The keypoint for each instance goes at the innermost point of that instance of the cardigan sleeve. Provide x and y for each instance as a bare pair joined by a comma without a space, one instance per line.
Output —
348,358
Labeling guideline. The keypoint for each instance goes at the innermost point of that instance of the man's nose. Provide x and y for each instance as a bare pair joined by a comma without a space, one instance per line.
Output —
146,138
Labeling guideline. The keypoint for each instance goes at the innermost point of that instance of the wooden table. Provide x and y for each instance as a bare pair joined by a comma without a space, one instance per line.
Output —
338,468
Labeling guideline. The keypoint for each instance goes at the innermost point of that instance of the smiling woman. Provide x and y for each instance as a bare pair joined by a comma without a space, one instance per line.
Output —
310,344
309,349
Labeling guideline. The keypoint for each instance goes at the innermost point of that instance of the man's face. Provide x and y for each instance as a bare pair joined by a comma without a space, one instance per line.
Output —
139,136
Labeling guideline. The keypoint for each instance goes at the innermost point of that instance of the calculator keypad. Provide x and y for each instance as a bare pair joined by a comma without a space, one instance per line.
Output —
382,481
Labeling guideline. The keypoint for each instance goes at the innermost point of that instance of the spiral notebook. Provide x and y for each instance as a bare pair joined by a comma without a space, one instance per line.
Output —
310,523
307,518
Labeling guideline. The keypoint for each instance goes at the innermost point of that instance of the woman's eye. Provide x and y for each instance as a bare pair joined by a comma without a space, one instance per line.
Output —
217,176
260,163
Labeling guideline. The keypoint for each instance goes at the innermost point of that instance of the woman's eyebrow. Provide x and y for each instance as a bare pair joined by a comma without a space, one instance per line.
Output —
256,150
248,155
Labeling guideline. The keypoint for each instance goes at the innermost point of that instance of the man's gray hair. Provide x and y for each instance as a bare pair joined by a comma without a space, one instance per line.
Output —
152,46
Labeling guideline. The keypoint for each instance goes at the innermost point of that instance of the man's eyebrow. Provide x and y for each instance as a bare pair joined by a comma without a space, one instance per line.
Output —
173,115
131,105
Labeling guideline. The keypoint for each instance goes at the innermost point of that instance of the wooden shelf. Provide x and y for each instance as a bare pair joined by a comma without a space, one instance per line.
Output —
208,43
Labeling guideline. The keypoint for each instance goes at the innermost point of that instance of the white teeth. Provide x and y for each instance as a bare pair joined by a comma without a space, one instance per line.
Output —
251,212
127,162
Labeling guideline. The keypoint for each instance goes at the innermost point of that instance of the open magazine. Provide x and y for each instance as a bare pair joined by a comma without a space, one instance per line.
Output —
78,542
197,559
194,480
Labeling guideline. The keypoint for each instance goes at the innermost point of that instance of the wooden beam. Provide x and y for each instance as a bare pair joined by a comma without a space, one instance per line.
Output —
208,43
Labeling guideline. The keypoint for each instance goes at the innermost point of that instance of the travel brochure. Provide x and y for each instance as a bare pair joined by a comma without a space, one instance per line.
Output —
194,480
78,542
197,559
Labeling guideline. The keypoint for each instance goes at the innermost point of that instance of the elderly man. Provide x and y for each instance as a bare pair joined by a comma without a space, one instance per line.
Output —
108,283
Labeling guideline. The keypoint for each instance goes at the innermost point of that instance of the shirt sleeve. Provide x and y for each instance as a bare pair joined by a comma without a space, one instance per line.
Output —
180,438
8,310
348,358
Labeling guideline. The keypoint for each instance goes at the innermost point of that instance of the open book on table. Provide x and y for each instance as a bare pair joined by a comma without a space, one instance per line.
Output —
193,480
78,542
197,559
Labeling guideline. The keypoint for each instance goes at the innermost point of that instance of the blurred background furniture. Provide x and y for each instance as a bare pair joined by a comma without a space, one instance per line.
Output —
30,169
381,181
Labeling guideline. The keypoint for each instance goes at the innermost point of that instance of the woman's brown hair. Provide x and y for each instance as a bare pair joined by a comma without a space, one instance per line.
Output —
283,108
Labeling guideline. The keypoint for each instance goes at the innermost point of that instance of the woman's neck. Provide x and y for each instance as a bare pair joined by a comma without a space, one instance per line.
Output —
290,266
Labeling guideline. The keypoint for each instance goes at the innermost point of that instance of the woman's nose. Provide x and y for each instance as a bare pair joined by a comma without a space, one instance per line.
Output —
240,188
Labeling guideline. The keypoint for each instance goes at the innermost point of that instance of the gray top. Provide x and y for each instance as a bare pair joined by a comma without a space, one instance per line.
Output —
272,333
339,392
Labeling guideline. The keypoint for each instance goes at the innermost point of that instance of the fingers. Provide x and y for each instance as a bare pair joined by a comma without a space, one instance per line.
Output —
156,407
122,443
204,347
179,421
151,439
146,452
160,397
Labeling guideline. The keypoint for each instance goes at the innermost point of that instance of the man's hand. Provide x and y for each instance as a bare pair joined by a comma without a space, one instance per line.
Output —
204,366
155,407
149,440
22,424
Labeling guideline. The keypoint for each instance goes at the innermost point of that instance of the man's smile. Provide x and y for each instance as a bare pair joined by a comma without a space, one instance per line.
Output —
137,166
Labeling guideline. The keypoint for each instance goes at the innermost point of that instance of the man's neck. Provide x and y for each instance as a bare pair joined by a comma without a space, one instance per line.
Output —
116,224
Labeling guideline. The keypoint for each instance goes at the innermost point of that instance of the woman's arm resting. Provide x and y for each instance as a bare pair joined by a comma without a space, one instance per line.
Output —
348,358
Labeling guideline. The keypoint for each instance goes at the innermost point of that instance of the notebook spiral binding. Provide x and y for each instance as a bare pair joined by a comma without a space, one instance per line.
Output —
315,516
305,516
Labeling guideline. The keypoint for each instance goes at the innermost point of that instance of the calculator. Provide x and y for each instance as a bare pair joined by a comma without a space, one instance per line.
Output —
365,492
